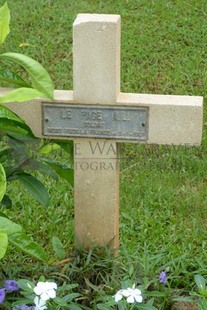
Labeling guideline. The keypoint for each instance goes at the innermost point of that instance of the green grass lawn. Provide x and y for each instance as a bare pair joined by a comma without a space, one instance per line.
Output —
163,212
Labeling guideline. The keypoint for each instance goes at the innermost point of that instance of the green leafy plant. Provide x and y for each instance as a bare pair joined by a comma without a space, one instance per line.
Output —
201,293
42,85
4,22
43,295
17,155
2,182
12,232
17,140
163,189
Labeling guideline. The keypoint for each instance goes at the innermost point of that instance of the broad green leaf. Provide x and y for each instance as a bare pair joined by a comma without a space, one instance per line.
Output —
61,303
64,305
200,281
146,307
9,122
6,201
21,301
2,182
41,80
35,187
64,172
48,148
183,299
7,114
12,78
8,227
104,307
155,294
16,130
27,245
26,285
21,95
121,306
39,165
42,278
18,151
3,244
71,296
4,22
58,247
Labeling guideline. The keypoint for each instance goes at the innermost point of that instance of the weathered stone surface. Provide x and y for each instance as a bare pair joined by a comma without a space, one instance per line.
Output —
172,120
96,79
96,58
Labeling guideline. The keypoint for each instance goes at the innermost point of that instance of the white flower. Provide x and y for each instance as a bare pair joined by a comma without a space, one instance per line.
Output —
118,296
133,294
39,304
46,290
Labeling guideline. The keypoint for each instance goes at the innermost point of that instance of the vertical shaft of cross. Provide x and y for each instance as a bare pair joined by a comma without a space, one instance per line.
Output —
96,61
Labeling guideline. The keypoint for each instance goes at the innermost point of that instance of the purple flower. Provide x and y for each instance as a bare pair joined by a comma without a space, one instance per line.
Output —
162,277
11,285
2,295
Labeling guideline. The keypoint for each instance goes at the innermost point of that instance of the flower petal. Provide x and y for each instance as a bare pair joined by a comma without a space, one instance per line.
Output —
39,304
39,288
2,295
137,291
126,293
130,299
118,296
44,296
138,298
11,285
51,293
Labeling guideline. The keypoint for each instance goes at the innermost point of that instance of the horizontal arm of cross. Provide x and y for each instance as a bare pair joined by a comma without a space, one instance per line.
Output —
172,119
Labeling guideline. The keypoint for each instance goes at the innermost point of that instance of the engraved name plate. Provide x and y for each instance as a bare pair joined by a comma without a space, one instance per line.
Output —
102,122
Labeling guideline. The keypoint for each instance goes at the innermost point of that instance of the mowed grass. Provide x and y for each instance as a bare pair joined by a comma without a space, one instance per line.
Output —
163,197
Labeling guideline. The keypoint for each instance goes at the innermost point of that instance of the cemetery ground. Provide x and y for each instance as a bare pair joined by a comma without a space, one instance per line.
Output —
163,202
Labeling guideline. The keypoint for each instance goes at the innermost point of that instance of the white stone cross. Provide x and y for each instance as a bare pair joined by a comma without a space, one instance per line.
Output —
170,119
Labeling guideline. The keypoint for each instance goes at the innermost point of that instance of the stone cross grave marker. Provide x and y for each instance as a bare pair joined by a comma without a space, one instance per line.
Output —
97,116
